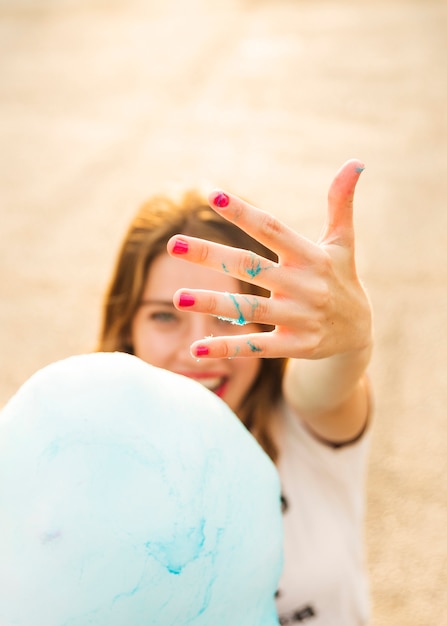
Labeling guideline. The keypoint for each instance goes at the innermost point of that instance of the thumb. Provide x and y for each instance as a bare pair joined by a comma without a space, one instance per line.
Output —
339,227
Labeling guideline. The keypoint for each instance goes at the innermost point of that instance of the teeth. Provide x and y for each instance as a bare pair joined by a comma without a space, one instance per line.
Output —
211,383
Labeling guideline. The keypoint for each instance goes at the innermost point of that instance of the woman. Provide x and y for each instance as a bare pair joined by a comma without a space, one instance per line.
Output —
279,327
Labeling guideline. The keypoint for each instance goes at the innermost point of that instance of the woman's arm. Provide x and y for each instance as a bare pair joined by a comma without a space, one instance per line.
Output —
331,395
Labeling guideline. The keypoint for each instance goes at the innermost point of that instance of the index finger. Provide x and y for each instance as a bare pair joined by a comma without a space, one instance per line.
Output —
261,225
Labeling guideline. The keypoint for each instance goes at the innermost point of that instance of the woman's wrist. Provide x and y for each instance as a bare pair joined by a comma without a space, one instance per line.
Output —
314,386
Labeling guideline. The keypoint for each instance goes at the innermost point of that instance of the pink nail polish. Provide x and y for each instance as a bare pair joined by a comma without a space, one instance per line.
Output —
221,200
202,351
180,246
186,299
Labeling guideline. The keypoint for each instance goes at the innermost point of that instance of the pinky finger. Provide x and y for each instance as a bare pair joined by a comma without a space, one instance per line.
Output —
267,345
230,347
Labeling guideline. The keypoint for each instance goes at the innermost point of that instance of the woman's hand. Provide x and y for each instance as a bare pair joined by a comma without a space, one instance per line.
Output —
318,305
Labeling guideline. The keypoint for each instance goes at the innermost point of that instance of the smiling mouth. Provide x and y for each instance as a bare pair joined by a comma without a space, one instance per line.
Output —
217,385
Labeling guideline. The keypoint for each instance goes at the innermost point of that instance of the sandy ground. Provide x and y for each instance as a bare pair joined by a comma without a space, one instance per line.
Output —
105,103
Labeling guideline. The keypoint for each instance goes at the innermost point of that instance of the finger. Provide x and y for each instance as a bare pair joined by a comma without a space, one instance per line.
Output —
261,225
241,264
262,345
242,308
339,226
239,309
230,347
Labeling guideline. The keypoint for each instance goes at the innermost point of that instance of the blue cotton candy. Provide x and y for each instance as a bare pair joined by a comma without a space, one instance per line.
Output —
131,496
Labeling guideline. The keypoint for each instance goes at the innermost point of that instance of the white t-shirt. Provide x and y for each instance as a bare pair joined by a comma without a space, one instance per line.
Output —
324,581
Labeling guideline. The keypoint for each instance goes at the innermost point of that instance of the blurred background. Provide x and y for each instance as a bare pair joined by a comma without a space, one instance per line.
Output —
105,102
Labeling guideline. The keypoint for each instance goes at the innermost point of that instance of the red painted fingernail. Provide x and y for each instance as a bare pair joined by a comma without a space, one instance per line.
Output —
221,200
180,246
186,299
202,350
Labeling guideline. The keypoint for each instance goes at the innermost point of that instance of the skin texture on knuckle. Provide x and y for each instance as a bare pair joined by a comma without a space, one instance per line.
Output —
269,226
222,349
323,268
322,298
242,266
260,310
211,305
316,296
313,347
237,211
312,339
202,253
249,266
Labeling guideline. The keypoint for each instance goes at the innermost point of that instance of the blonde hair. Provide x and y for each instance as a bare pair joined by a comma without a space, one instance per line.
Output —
157,220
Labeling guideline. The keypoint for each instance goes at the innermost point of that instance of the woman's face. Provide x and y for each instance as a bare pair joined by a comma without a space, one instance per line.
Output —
161,335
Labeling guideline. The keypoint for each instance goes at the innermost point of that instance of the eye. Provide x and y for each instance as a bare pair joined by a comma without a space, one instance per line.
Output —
164,317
